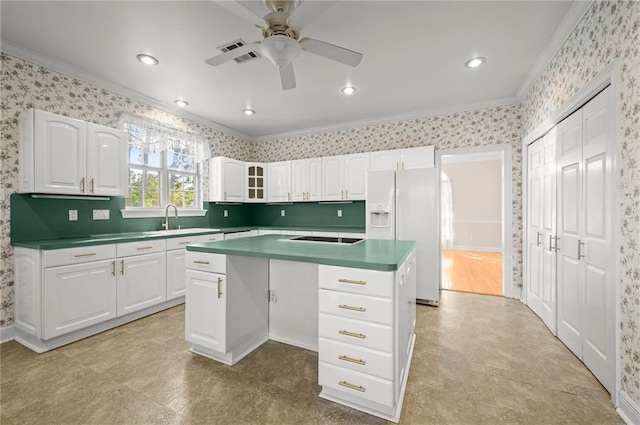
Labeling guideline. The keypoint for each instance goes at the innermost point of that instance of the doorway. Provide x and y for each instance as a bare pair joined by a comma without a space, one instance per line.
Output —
473,197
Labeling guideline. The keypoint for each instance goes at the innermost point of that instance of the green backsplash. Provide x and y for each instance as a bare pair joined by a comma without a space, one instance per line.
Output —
42,218
39,219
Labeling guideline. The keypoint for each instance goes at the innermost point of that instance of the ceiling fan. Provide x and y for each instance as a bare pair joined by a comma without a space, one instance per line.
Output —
281,21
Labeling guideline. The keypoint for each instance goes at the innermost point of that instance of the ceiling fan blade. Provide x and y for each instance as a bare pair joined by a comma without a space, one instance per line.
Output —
246,11
232,54
287,77
308,11
330,51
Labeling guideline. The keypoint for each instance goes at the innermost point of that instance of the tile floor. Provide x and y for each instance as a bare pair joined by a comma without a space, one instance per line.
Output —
478,360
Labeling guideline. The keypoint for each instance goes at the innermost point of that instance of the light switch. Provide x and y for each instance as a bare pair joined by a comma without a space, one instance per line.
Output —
281,213
339,213
73,215
225,213
101,214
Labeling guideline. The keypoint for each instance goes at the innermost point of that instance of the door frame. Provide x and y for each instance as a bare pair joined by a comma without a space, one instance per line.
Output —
507,198
609,76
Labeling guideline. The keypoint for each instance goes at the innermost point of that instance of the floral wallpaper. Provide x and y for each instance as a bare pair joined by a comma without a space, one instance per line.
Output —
25,85
609,30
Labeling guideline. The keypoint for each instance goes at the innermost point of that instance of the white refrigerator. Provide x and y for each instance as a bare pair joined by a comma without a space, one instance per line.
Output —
404,205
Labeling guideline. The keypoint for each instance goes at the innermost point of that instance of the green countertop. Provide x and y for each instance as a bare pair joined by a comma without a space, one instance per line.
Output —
372,254
110,238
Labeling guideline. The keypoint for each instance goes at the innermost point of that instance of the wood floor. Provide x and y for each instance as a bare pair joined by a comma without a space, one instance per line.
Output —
472,271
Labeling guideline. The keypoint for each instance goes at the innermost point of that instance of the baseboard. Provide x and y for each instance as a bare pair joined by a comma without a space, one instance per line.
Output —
7,334
628,410
476,248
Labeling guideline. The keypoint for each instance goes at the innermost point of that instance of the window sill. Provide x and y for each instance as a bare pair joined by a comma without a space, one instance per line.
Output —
160,212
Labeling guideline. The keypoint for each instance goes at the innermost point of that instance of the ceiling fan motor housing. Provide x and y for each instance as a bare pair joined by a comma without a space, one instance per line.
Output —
279,25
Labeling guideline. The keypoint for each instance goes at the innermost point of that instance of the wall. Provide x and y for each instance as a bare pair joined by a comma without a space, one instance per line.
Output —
608,31
477,204
24,86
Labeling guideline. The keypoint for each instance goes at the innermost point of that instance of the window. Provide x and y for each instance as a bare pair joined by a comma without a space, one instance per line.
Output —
164,167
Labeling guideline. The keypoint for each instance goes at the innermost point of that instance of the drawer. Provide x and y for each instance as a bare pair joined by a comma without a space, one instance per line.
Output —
356,384
356,332
215,263
180,243
210,238
129,249
355,306
68,256
365,360
357,281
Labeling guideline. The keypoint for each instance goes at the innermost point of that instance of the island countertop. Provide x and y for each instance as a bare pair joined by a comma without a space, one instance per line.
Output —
372,254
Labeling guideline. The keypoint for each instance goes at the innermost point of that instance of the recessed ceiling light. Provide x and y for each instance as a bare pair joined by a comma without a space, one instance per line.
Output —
248,111
474,63
348,90
181,103
147,59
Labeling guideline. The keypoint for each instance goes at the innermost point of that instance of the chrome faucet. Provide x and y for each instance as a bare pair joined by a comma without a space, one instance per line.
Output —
165,225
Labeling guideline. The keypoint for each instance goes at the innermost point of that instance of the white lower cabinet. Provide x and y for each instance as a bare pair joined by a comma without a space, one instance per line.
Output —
77,296
141,282
206,310
176,286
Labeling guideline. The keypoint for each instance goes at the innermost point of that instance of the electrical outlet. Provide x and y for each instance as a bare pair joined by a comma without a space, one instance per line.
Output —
101,214
281,213
73,215
225,213
339,213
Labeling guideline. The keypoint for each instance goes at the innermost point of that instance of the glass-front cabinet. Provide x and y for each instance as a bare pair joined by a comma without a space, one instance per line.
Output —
256,188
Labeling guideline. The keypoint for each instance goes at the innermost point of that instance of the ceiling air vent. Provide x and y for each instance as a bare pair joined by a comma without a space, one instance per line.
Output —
234,45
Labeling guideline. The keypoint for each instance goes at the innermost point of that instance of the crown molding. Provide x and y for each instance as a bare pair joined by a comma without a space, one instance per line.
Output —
566,27
505,101
42,60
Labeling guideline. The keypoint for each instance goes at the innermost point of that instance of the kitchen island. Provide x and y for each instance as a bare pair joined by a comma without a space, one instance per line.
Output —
352,303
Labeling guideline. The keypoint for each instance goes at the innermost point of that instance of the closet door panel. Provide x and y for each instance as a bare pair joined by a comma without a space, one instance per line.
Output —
534,231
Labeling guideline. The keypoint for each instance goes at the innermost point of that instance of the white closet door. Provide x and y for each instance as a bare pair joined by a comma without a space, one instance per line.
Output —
596,244
534,230
570,295
548,223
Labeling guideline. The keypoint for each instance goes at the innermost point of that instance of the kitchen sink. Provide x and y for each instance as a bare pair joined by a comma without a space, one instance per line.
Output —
326,239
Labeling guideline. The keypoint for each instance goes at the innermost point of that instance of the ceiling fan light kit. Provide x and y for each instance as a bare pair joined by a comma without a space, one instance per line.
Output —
280,44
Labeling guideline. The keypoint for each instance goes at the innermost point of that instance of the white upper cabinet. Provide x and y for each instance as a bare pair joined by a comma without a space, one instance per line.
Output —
403,159
306,177
226,180
344,177
279,183
256,181
68,156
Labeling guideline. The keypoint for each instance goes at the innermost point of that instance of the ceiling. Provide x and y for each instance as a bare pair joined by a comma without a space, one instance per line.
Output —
414,55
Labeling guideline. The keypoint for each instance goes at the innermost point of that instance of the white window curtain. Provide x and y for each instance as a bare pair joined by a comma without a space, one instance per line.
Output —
160,135
446,212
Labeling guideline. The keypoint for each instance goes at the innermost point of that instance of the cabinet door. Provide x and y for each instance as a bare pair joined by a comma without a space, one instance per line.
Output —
420,157
215,179
255,181
78,296
206,310
279,183
314,179
385,160
233,180
175,273
355,171
299,181
60,154
333,178
106,161
142,282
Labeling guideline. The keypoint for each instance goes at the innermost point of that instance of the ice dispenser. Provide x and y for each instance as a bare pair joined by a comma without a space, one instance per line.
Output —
379,215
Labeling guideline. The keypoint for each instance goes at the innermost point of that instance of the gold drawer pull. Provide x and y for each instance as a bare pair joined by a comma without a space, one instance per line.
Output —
90,254
140,248
219,287
350,307
355,335
113,268
352,387
82,185
184,243
200,262
355,282
349,359
93,185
